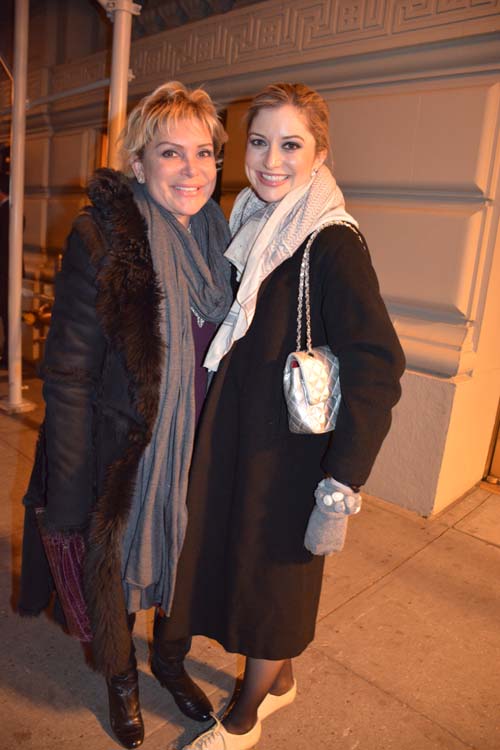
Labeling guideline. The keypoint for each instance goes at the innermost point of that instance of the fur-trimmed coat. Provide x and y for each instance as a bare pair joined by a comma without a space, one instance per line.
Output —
102,374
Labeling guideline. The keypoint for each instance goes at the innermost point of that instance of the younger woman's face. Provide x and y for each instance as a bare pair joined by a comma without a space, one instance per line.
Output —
281,152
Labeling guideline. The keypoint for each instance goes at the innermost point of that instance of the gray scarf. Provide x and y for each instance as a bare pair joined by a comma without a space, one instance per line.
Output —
193,274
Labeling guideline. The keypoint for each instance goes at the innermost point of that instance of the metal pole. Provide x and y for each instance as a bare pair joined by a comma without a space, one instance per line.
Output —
121,11
16,205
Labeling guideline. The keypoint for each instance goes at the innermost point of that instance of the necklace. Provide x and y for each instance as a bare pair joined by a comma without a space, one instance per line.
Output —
199,319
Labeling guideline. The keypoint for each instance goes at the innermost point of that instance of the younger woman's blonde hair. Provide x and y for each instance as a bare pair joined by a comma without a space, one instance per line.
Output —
308,102
164,108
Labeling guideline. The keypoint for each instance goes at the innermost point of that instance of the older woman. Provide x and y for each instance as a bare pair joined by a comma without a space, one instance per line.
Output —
142,287
248,576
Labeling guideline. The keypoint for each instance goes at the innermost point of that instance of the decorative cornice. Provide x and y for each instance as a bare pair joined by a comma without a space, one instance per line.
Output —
273,34
301,31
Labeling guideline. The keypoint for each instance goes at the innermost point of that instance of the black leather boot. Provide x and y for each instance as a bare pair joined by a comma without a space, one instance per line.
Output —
167,665
124,709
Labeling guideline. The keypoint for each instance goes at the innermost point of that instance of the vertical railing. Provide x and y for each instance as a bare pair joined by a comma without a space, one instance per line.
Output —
16,196
120,12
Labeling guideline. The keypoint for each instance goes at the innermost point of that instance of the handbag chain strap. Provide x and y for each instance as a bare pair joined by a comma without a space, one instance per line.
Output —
304,298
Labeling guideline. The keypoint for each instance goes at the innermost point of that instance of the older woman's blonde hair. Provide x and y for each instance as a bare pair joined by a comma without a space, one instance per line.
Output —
163,109
308,103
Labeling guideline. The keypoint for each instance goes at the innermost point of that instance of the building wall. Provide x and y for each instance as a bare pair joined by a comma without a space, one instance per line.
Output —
419,161
413,89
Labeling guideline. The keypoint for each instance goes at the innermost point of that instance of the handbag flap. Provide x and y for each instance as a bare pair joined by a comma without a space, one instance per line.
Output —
318,370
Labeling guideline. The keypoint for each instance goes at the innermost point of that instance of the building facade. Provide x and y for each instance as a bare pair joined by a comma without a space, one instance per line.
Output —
414,92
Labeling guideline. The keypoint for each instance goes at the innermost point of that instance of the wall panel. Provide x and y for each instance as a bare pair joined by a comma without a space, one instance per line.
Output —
425,253
455,138
73,157
418,138
61,213
37,162
35,221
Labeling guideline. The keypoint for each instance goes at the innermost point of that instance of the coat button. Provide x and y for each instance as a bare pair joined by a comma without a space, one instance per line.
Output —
328,500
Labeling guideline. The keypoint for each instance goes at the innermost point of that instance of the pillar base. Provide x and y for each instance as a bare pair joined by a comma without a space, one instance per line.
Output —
20,408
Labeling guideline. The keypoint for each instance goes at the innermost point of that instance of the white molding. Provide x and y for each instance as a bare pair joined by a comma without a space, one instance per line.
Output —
272,33
436,347
276,34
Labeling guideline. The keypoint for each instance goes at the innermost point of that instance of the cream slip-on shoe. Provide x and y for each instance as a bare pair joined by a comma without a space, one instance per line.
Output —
272,703
218,738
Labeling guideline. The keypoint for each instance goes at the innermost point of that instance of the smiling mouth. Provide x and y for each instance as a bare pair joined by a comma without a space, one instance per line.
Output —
272,179
186,190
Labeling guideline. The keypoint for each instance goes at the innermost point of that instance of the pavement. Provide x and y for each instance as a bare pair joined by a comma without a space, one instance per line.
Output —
406,655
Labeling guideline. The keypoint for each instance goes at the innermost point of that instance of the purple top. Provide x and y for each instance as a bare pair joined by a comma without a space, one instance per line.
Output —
202,338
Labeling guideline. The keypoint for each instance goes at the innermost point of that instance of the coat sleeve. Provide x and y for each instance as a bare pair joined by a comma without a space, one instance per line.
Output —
360,332
71,370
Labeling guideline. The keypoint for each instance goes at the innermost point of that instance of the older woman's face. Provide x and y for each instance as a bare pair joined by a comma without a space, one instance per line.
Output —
179,168
281,152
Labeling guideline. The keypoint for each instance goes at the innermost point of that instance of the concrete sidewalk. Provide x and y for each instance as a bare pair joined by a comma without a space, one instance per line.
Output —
406,655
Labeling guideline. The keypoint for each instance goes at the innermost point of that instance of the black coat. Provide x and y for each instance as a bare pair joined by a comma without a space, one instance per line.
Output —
244,576
102,374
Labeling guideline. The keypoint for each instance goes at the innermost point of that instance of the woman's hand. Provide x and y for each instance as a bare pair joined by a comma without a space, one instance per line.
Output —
327,527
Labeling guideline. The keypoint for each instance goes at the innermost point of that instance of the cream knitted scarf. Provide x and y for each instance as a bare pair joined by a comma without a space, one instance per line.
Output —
265,235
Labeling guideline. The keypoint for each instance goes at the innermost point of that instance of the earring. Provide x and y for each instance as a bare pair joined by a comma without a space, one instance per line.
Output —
140,179
314,173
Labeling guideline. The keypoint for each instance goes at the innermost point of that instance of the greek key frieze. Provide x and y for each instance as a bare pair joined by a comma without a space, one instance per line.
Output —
65,77
418,14
252,37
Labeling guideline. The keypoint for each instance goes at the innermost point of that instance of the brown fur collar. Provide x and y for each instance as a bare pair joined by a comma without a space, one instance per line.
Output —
128,308
129,298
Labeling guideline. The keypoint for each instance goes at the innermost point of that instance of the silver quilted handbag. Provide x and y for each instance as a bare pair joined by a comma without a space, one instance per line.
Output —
311,377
